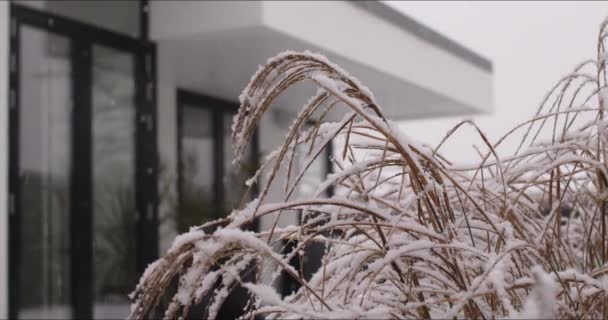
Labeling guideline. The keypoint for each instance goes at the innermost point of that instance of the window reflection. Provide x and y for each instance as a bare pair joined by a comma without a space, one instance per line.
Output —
197,203
209,189
44,140
114,241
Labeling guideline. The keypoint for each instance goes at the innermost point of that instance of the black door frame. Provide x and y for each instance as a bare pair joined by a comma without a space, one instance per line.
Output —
82,36
217,107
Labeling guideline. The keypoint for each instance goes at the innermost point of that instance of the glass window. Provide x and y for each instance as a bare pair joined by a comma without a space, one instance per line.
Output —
68,230
208,189
44,169
113,154
197,196
118,16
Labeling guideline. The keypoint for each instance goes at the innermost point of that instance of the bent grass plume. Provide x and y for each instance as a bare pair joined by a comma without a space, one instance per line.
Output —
407,233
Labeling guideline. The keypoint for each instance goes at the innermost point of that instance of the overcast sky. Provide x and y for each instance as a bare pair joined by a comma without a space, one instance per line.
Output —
531,44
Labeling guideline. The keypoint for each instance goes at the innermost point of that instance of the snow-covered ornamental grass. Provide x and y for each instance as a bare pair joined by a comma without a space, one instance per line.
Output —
408,234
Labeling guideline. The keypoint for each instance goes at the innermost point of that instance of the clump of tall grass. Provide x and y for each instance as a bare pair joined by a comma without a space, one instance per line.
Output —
408,233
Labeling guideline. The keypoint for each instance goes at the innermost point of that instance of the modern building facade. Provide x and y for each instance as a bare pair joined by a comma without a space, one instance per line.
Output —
117,118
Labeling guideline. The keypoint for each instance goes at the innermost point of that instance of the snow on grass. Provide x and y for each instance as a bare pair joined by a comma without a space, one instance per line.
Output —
408,234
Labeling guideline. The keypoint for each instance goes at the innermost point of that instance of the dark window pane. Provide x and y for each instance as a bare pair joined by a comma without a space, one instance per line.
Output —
119,16
113,125
197,199
44,169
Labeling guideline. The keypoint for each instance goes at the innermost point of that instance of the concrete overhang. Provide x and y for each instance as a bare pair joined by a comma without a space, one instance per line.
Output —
215,47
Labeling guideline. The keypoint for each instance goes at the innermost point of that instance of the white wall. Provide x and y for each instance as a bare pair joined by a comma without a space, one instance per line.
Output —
356,34
4,34
182,18
120,16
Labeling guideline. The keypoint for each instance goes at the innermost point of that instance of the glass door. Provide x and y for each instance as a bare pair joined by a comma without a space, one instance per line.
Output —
44,169
113,165
82,224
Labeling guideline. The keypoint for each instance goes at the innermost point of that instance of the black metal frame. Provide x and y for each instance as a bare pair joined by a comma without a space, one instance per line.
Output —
329,166
81,185
83,37
218,108
14,221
